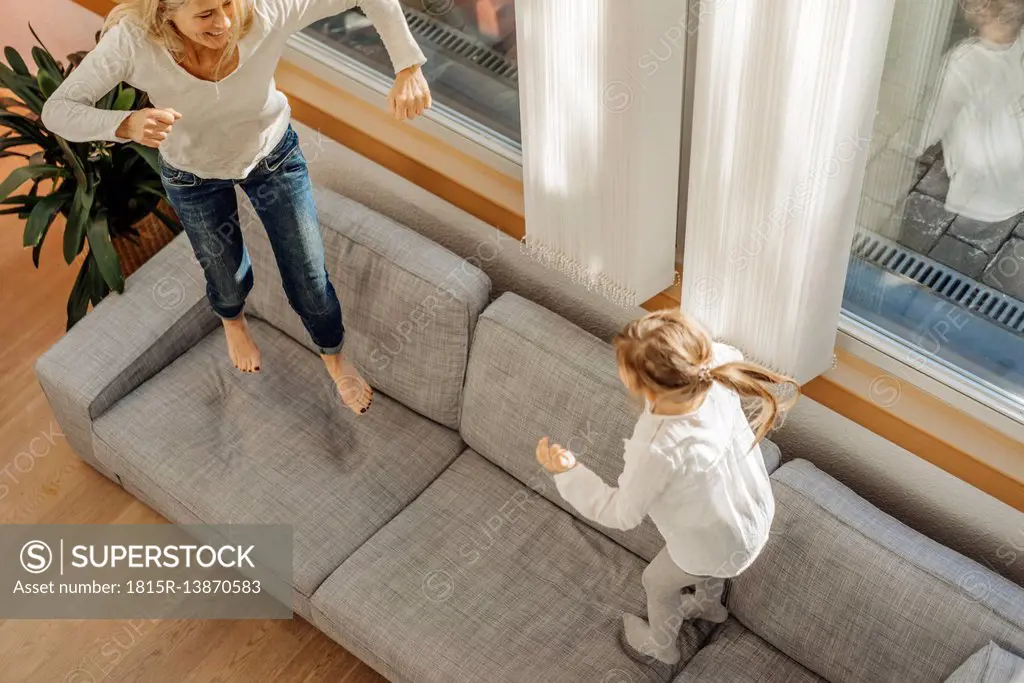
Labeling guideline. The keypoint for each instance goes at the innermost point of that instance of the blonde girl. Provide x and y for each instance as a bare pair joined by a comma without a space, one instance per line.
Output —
693,464
218,120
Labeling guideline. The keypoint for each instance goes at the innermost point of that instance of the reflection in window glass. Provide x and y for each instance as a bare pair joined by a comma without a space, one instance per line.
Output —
939,257
470,47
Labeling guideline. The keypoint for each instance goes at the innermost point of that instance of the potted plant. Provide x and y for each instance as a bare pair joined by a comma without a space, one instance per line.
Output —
106,191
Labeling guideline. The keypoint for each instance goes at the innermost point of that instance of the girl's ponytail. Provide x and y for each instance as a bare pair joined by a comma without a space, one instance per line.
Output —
669,354
753,381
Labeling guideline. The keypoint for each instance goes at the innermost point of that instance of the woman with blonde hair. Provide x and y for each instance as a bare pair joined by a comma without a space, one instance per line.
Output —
693,464
219,121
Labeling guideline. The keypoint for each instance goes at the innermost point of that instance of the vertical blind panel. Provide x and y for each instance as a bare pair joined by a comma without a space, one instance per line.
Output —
783,109
601,85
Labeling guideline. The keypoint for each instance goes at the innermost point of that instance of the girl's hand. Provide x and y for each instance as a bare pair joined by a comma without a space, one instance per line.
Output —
148,127
554,458
409,95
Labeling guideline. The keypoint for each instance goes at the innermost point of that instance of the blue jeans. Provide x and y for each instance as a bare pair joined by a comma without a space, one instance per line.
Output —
282,195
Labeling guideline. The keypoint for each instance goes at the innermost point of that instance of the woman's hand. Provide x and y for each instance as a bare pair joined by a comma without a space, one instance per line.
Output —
409,95
554,458
148,127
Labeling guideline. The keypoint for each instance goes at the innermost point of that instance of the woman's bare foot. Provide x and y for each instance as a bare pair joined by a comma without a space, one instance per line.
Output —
353,389
242,349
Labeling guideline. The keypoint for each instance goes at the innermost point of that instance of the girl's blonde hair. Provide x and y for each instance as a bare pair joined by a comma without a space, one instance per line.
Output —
670,354
154,18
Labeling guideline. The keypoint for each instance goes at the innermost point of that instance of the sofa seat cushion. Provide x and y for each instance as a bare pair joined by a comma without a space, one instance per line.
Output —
480,579
274,447
735,655
858,597
409,304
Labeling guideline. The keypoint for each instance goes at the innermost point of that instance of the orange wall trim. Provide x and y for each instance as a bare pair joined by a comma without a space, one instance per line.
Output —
100,7
945,437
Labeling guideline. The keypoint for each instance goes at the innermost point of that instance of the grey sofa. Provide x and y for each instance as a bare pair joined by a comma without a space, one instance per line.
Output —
427,540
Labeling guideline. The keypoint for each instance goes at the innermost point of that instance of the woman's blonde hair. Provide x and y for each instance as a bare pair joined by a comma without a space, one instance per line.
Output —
670,354
154,18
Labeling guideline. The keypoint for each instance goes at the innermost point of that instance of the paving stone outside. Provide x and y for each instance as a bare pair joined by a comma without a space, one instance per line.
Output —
931,155
992,252
961,256
1005,272
935,183
988,237
920,171
925,219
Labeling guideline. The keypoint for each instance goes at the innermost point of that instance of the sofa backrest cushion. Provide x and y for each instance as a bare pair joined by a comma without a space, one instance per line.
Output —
533,374
858,597
409,306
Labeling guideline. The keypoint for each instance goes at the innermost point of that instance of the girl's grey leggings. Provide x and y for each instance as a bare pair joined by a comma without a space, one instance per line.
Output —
667,606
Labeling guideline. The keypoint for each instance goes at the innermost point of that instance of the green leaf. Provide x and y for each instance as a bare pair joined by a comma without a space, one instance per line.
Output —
78,220
125,99
25,87
107,101
98,288
20,199
36,250
25,173
45,61
8,102
16,199
9,105
42,216
103,251
47,83
78,301
14,142
15,60
74,161
149,154
36,36
27,127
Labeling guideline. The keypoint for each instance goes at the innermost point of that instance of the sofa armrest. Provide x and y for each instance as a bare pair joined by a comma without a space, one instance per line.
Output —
771,455
857,596
124,341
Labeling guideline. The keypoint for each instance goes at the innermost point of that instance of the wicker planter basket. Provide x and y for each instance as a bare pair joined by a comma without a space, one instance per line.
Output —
153,236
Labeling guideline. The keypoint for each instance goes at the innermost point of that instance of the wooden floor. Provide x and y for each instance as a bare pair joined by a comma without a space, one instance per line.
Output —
52,486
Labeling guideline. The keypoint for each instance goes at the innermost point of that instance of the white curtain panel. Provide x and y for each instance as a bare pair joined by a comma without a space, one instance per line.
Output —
601,85
783,109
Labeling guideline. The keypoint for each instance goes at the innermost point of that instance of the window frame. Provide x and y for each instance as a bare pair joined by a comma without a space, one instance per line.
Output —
441,122
952,387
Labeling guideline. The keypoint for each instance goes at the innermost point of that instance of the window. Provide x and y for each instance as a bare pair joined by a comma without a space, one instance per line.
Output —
937,271
470,47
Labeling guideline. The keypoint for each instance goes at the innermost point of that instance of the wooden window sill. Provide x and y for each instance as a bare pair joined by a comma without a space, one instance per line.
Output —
924,425
918,422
